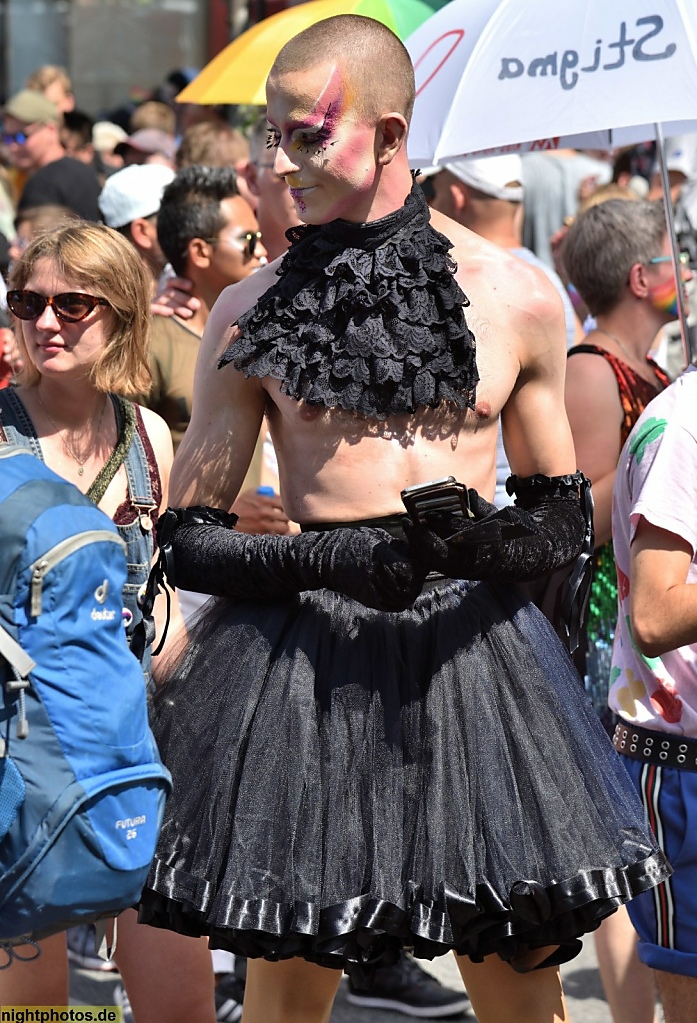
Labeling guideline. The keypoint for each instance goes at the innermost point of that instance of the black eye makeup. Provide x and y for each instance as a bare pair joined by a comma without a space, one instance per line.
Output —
312,141
315,142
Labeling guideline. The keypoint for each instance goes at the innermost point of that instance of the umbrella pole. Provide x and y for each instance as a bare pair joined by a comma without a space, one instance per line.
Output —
670,220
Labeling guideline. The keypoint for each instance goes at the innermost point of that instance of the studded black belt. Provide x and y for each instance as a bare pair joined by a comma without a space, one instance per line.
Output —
655,747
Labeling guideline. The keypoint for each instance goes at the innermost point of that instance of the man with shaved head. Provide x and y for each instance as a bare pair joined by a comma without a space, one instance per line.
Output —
374,62
376,742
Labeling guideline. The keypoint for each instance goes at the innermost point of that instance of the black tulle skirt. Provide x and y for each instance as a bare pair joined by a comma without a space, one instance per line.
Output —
347,783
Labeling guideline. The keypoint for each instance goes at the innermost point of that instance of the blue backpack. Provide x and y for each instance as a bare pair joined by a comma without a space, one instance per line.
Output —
82,788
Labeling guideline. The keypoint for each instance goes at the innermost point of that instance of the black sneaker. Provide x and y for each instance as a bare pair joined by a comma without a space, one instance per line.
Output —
406,988
229,993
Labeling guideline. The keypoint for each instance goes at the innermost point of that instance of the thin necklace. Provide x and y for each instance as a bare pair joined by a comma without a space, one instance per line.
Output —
68,447
632,358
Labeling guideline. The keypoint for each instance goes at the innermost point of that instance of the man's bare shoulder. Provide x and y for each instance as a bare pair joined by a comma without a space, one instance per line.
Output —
237,299
489,274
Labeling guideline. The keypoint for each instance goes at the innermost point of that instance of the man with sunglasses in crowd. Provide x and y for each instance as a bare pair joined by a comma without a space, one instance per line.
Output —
210,236
31,134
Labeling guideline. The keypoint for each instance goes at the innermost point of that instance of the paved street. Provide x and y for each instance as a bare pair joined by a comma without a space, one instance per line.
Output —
584,994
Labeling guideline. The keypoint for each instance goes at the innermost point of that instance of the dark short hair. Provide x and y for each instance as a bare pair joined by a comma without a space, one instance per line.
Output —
603,244
191,209
80,124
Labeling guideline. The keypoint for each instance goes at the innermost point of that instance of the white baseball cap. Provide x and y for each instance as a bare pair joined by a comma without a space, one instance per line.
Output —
681,154
106,134
135,191
501,177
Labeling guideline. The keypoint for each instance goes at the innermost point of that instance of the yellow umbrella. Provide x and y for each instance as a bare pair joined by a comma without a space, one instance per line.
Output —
238,73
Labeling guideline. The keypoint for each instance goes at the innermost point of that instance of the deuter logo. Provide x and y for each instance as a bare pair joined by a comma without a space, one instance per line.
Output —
100,595
130,826
102,616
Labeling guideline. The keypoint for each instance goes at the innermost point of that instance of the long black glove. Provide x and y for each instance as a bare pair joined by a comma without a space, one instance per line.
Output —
548,528
203,552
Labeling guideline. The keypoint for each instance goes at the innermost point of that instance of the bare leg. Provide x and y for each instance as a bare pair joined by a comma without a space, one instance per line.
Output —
500,995
629,985
43,981
167,975
678,996
291,991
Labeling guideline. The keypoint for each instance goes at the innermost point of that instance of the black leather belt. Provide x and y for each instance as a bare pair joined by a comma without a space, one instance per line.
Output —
655,747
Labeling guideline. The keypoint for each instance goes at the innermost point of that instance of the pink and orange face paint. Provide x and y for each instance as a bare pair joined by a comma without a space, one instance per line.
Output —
310,134
315,166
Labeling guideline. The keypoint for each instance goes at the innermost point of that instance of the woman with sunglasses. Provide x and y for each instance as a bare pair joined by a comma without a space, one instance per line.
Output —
81,298
617,254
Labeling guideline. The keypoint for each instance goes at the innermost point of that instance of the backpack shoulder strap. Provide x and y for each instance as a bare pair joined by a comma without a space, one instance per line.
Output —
13,652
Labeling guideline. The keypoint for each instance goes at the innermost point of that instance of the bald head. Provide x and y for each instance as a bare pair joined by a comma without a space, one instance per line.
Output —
373,58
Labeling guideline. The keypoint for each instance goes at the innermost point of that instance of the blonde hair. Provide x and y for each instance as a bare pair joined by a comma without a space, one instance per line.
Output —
209,144
154,114
606,192
47,75
106,265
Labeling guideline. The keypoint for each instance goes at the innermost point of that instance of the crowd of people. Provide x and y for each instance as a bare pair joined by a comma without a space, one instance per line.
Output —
380,747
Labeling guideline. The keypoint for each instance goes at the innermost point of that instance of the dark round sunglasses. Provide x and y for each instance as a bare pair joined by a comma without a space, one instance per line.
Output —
8,137
247,242
71,306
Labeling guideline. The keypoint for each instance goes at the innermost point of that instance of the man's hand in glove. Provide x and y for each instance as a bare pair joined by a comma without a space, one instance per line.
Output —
511,543
366,564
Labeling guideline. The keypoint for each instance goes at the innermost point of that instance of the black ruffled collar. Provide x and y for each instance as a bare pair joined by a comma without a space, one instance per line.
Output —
364,317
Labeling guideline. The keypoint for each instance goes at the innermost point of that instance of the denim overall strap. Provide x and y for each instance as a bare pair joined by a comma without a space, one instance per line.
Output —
16,424
138,473
138,535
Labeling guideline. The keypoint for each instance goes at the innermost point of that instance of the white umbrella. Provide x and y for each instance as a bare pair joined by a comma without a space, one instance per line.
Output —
503,76
517,75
